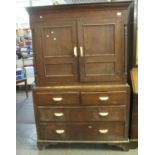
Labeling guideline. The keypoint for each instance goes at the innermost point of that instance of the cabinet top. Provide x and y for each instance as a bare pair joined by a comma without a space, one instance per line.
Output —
122,4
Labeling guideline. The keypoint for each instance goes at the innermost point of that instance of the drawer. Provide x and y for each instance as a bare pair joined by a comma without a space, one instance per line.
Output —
111,113
107,131
104,98
52,98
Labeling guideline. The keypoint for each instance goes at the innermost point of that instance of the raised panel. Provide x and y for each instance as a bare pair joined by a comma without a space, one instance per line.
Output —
106,68
56,44
98,39
59,69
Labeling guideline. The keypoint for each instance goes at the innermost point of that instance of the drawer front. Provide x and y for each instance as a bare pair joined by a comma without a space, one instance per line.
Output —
107,131
52,98
104,98
111,113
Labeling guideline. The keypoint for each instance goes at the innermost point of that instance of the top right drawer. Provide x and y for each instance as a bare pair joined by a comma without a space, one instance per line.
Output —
104,98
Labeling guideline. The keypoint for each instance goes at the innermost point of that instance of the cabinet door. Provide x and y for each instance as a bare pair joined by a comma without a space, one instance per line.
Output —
101,54
56,51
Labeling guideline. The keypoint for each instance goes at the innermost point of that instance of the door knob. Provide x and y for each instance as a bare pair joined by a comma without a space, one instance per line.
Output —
75,51
81,51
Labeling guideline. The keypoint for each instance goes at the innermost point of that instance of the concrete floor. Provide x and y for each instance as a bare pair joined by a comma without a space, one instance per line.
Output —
26,136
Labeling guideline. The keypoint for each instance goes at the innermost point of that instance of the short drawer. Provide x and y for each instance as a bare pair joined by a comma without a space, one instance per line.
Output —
52,98
104,98
111,113
104,131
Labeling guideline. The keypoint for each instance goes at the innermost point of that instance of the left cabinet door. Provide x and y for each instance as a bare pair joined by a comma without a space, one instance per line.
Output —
56,51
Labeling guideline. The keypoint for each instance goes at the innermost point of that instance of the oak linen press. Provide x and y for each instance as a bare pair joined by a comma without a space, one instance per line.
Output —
80,58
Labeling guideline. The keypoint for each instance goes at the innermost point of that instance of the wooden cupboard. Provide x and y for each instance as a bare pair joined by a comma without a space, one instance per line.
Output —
80,57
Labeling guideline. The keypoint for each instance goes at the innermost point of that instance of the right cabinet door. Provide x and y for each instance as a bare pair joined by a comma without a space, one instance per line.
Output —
101,52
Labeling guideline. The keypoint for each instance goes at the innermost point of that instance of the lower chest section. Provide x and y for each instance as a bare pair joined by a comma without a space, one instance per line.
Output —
82,115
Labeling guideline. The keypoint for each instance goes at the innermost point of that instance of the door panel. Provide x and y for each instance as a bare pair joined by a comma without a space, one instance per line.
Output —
102,57
57,40
98,38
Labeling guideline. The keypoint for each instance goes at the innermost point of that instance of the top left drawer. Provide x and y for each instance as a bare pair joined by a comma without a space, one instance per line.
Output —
56,98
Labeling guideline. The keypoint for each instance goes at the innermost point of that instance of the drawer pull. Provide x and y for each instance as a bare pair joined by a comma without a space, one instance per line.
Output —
58,114
103,131
104,98
60,131
103,114
57,99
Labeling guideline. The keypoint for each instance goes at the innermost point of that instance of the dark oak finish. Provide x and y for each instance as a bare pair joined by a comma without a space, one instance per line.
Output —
56,40
107,113
88,131
104,98
100,38
80,57
50,98
48,113
84,46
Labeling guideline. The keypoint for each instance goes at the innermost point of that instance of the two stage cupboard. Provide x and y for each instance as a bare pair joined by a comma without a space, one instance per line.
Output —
80,57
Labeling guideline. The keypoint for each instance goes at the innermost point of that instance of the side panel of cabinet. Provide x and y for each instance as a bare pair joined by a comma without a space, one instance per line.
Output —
101,54
56,61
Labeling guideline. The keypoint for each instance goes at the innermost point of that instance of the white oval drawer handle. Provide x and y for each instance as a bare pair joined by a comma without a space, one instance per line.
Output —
103,131
58,114
60,131
103,114
57,98
40,17
104,98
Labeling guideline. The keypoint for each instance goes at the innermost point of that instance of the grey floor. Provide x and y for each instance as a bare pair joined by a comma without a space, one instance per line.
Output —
26,135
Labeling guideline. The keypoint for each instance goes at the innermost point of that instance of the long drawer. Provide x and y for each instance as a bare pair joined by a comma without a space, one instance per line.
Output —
57,98
105,131
85,113
104,98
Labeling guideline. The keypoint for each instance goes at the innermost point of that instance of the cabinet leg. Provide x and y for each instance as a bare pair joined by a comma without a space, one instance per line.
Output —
41,145
123,146
133,145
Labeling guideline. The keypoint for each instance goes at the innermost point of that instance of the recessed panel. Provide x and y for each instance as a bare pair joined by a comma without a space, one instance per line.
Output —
57,41
100,68
98,39
59,70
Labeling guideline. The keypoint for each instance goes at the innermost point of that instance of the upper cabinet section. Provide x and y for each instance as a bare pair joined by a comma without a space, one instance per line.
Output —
80,43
